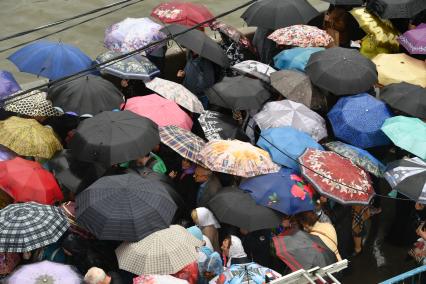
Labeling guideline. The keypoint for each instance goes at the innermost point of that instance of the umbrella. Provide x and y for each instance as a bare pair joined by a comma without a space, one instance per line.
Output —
274,14
199,43
160,110
236,158
86,95
53,60
286,144
254,68
247,215
408,176
358,156
231,32
295,58
29,226
158,279
27,137
414,40
8,84
323,169
218,126
406,97
33,104
183,13
389,9
132,34
302,36
6,154
177,93
283,191
289,113
293,85
397,68
246,273
407,133
164,252
26,181
301,250
240,93
345,2
184,142
124,207
333,70
135,67
45,272
114,137
357,120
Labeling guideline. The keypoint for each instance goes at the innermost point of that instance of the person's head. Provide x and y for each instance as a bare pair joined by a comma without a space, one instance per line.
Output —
196,232
96,275
306,219
201,174
419,206
226,245
204,217
141,161
186,164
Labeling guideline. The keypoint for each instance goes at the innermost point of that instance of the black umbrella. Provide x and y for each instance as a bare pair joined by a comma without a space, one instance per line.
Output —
239,93
124,207
86,95
275,14
406,97
199,43
216,125
236,207
341,71
345,2
113,137
389,9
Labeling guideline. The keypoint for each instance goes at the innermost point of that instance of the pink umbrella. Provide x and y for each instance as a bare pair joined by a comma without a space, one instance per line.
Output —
160,110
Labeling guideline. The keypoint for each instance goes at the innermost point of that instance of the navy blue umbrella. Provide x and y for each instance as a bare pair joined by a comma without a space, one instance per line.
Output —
8,84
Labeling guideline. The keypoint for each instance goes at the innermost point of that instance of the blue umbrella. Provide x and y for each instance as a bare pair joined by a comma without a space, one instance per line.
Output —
284,191
52,60
8,84
290,142
295,58
357,120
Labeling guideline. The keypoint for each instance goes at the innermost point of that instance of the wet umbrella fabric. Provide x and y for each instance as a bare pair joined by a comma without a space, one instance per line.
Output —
302,36
295,58
345,2
218,126
32,104
114,137
254,68
293,85
183,13
8,84
414,40
124,207
388,9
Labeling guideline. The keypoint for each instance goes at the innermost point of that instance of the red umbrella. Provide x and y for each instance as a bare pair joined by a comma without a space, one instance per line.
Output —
336,177
26,181
183,13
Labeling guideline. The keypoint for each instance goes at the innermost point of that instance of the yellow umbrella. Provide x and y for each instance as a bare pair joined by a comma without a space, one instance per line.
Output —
27,137
397,68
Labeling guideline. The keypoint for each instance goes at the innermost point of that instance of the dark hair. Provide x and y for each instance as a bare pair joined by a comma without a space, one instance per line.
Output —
308,218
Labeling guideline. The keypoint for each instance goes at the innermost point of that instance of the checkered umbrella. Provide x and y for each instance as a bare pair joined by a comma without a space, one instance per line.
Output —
184,142
32,104
27,226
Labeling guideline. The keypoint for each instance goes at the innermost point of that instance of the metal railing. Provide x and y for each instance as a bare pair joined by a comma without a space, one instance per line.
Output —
415,276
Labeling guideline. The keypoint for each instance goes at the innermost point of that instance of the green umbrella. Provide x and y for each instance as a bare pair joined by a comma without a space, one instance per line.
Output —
407,133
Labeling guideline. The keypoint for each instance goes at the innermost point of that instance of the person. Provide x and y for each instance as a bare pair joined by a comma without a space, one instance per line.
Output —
208,224
257,244
210,185
203,253
96,275
8,262
185,184
360,214
151,161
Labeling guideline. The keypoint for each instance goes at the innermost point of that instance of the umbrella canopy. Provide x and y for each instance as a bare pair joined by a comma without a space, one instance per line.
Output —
295,58
27,137
389,9
184,142
289,113
286,144
33,104
301,250
158,279
53,60
236,158
408,176
136,67
302,36
124,207
114,137
333,70
293,85
8,84
275,14
132,34
6,154
323,169
283,191
254,68
358,156
414,41
155,107
86,95
163,252
408,98
199,43
345,2
357,120
27,181
218,126
241,93
397,68
29,226
183,13
177,93
232,33
45,272
407,133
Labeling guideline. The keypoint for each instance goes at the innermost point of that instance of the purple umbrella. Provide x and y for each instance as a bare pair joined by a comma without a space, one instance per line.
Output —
414,41
8,84
6,153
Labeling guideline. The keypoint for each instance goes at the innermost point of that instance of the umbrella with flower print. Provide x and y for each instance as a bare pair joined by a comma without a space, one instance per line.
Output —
302,36
183,13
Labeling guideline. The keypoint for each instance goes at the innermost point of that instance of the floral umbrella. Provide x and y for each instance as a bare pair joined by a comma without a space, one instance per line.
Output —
232,33
302,36
183,13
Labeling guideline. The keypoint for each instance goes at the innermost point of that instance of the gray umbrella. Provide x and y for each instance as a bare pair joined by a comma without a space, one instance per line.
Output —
389,9
345,2
293,85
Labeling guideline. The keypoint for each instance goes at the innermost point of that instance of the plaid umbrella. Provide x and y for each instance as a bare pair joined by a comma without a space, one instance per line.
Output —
28,226
293,85
254,68
302,36
323,169
236,158
27,137
33,103
184,142
218,126
164,252
414,40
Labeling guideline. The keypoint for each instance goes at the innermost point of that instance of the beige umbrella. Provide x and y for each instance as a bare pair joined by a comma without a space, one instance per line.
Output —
32,104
